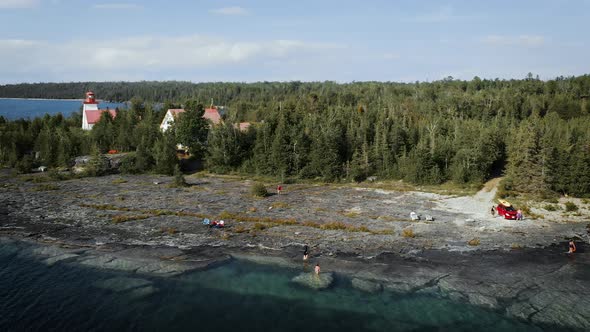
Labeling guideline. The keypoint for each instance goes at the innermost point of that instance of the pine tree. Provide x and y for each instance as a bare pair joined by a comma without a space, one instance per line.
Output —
165,155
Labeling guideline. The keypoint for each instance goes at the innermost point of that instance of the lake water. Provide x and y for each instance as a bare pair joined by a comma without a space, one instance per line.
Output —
238,296
13,109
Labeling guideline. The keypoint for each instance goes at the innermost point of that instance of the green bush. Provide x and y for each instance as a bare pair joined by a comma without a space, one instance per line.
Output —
179,180
551,207
259,190
570,207
128,164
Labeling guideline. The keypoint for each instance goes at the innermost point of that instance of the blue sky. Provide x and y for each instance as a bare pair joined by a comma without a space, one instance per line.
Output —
264,40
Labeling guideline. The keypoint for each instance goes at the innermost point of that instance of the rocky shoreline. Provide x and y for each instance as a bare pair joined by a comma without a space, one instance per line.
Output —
138,224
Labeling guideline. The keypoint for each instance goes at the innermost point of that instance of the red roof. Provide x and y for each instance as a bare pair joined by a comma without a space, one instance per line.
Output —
210,114
213,115
92,116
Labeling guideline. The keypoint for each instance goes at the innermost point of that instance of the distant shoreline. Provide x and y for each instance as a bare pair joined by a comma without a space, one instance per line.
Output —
99,100
40,99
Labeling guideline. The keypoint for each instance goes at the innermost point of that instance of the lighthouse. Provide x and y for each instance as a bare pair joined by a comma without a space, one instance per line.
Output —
91,113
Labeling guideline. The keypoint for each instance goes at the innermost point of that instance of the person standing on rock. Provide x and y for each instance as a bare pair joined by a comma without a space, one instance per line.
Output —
279,189
317,269
305,253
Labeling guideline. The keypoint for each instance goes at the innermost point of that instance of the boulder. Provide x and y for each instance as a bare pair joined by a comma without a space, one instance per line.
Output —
314,281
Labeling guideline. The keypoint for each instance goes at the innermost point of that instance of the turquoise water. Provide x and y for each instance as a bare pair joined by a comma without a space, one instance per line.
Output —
238,296
13,109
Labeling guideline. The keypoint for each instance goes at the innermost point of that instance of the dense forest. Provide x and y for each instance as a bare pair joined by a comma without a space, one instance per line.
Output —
536,133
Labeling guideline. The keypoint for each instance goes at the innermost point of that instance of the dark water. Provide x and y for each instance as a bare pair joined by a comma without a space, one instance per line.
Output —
235,297
13,109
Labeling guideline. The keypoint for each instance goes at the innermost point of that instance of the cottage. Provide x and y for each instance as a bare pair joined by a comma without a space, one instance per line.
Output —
91,113
212,114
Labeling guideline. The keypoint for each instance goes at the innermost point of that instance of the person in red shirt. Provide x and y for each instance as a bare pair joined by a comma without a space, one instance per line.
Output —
279,188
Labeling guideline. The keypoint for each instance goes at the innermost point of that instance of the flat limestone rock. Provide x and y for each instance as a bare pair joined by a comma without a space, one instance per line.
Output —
313,281
52,260
142,292
366,285
121,284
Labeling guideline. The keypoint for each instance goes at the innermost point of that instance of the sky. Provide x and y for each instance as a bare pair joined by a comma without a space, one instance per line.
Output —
306,40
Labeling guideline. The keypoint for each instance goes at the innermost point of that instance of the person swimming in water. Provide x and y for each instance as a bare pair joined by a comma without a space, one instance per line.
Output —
572,247
317,269
305,253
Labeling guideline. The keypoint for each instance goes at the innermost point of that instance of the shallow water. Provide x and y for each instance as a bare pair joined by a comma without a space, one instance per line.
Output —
235,296
13,109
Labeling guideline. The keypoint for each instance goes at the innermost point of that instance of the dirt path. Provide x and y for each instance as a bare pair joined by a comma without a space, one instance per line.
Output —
479,205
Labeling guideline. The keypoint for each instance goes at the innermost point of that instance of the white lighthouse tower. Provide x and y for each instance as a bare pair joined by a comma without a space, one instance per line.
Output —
90,112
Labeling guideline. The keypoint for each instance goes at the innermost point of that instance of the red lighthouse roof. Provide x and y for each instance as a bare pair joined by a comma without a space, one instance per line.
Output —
90,99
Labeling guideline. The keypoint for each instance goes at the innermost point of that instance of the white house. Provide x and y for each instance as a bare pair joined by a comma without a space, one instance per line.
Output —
91,113
211,114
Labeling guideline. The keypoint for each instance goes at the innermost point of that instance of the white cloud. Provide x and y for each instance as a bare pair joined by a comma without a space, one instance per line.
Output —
8,4
117,6
133,56
235,10
521,41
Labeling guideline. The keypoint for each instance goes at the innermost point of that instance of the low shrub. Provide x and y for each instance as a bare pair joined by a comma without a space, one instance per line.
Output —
239,229
570,206
259,226
259,190
525,209
179,180
408,233
119,181
474,242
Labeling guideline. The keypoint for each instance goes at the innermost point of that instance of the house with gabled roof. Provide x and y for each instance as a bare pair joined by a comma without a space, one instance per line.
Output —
212,114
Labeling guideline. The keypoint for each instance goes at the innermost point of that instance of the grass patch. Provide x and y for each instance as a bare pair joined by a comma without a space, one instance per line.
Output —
169,230
46,187
240,229
118,181
351,214
334,225
311,224
408,233
383,232
123,218
35,178
474,242
280,205
516,246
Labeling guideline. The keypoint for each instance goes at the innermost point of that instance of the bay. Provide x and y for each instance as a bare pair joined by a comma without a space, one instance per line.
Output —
12,109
